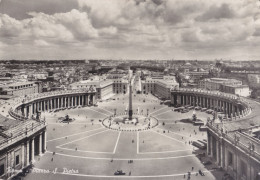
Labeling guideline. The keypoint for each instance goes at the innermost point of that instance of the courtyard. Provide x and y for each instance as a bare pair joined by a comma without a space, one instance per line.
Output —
85,149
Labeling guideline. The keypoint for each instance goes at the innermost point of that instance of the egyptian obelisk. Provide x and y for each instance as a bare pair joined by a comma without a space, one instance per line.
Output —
130,111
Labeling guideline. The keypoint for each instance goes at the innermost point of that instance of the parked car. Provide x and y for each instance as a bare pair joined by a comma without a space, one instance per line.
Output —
119,172
198,145
184,111
207,163
204,109
197,108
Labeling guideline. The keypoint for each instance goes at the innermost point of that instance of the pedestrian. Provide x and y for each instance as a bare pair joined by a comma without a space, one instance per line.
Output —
192,168
51,159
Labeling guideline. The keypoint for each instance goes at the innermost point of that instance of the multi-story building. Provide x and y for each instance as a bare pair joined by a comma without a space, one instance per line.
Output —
254,80
215,83
19,88
120,86
197,74
104,87
241,90
159,87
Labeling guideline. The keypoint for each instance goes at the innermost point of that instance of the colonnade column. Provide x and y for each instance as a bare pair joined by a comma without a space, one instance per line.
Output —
44,134
73,101
40,144
58,103
209,145
234,110
55,103
51,104
32,151
22,154
225,107
228,109
76,101
87,100
30,110
222,154
44,105
62,102
68,101
217,152
48,105
80,100
83,100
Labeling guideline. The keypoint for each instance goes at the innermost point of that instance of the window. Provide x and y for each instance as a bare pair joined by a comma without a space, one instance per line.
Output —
17,160
2,169
230,159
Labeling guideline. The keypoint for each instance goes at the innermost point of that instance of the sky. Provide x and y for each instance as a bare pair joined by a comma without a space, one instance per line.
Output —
130,29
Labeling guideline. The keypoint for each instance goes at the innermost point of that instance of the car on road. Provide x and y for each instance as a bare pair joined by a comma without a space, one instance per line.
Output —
119,172
198,145
197,108
184,111
204,109
190,107
203,128
209,111
203,142
198,122
207,163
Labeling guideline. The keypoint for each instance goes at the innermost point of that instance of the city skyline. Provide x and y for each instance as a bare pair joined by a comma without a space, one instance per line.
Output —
134,29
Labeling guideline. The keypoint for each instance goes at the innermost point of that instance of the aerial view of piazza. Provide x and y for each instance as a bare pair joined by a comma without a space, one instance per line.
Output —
129,89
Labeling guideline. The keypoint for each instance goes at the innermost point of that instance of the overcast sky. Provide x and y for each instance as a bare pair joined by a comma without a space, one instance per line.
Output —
130,29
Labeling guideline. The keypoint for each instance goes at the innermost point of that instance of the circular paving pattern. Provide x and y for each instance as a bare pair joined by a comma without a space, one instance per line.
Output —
138,123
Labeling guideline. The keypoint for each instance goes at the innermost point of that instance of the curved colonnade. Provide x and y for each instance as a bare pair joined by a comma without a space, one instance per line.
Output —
28,137
231,105
229,146
31,105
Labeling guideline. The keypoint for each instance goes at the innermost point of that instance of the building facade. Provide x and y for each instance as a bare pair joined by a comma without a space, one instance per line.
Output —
103,87
241,90
236,152
20,88
214,84
159,87
254,80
